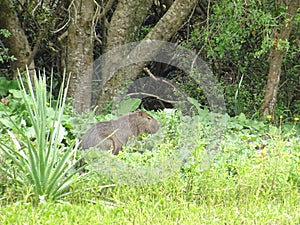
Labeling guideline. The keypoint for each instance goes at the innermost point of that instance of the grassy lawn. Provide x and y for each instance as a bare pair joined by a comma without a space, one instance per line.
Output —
160,208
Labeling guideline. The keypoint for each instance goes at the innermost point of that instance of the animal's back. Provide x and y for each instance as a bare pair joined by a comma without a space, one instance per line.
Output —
95,136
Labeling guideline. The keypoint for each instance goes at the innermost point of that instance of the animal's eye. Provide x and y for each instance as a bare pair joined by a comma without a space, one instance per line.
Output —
149,118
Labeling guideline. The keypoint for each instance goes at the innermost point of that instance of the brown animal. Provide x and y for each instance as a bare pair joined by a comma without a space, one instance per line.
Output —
113,134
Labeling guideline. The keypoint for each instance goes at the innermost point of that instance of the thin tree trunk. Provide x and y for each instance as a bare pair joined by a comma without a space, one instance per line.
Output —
275,61
17,42
80,53
163,31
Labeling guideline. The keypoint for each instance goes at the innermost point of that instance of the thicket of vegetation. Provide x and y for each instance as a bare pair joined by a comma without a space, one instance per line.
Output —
202,167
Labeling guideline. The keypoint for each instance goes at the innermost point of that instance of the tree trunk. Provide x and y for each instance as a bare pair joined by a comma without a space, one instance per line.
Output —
163,31
275,60
17,42
127,18
79,54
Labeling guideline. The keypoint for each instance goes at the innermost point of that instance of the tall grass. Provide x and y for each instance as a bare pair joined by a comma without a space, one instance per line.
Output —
41,162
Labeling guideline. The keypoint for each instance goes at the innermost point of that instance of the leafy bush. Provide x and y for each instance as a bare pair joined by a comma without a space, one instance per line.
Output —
7,85
235,41
4,56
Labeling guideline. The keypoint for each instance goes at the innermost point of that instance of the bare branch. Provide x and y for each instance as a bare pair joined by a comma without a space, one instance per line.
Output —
149,73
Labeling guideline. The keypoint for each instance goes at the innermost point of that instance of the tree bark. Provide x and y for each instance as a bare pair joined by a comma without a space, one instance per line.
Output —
275,61
79,54
163,31
127,18
17,42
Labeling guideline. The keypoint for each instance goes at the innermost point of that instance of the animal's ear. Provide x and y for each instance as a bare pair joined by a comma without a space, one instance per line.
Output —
140,112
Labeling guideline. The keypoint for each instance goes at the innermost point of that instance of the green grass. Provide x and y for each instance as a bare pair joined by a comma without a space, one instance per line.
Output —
138,206
260,187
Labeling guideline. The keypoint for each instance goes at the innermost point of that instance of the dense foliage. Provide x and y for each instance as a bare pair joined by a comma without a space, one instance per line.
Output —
236,41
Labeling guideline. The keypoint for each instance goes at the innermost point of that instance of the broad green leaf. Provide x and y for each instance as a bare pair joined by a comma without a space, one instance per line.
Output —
129,105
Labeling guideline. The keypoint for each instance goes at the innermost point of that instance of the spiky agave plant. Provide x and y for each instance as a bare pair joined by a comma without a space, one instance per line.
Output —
43,163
